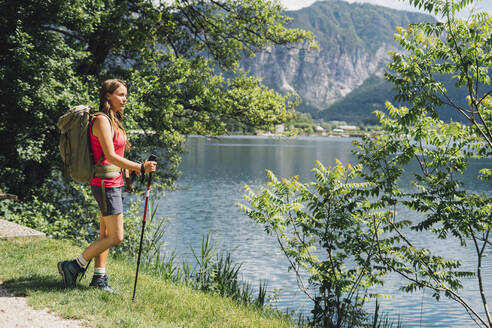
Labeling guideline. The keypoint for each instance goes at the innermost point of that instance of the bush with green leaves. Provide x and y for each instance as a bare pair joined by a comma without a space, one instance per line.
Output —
321,228
69,211
61,211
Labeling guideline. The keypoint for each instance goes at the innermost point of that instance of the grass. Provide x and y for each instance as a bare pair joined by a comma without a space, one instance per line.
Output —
28,268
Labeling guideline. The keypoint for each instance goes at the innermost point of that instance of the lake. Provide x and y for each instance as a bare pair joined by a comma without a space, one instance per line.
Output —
215,172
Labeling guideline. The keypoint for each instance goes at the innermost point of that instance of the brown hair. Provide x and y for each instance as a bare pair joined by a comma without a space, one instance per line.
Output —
115,118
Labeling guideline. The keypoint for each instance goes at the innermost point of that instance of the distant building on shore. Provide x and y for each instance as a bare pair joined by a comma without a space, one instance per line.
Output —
279,129
348,127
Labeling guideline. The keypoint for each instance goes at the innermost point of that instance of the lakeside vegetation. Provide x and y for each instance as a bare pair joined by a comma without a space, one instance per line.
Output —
29,269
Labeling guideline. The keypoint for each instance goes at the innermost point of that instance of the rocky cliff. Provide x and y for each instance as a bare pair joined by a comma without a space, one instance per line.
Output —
354,41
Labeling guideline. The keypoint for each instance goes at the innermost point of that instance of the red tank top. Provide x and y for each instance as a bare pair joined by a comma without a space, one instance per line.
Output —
119,142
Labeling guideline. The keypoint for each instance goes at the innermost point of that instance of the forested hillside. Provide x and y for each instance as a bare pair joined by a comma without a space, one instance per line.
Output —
358,106
354,41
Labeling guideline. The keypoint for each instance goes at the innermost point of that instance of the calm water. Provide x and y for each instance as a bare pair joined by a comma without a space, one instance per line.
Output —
216,171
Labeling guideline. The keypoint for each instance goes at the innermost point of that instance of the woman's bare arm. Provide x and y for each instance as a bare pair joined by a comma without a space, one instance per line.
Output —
102,130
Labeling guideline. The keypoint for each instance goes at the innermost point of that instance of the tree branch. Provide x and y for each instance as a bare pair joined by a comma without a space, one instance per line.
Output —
300,282
486,134
64,32
479,276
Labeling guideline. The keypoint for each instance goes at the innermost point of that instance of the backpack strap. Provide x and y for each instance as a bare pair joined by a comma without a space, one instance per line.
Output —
103,193
100,170
66,170
105,115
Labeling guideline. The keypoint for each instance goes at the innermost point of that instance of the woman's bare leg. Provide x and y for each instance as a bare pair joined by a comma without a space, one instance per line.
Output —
113,236
100,260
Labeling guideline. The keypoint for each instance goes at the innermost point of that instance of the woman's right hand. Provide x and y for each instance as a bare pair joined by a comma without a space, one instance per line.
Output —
150,166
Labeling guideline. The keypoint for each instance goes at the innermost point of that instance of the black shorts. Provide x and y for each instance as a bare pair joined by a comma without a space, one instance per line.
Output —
114,202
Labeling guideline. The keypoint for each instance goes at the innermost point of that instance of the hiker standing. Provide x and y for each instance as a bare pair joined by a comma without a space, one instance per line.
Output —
108,139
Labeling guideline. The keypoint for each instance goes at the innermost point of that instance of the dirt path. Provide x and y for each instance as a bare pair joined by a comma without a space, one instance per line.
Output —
14,312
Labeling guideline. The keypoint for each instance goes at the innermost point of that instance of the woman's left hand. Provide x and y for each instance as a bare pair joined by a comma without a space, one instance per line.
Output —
150,166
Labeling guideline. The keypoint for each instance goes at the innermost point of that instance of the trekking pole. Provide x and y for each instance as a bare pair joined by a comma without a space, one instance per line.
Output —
151,158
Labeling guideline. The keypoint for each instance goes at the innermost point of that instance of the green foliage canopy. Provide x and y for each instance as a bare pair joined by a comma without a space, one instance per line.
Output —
172,55
455,47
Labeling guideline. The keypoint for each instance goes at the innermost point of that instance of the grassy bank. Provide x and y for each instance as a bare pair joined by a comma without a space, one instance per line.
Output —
29,268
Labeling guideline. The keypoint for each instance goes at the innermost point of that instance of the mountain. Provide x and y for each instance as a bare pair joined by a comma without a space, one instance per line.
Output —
359,104
354,40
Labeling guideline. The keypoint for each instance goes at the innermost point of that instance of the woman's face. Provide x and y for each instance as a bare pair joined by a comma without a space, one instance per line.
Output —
117,99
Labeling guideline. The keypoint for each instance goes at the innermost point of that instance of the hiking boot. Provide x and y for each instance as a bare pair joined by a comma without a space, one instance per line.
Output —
70,271
101,281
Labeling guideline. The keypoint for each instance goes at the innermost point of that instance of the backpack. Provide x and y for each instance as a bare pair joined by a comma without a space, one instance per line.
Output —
75,146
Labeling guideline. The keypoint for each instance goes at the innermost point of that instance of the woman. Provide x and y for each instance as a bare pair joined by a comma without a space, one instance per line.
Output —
112,100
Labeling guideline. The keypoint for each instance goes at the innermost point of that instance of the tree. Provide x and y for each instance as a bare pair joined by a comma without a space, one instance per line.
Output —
175,57
455,48
438,201
441,201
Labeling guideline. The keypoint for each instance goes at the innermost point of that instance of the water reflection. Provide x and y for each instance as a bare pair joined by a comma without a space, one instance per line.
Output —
216,171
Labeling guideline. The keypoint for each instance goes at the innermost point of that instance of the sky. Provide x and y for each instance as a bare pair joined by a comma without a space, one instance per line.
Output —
396,4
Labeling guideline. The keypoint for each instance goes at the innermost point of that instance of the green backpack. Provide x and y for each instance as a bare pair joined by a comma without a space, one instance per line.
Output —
75,147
